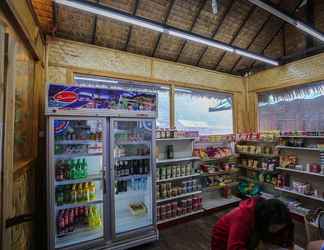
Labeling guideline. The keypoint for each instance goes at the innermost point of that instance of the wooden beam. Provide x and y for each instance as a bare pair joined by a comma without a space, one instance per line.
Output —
8,135
131,27
2,62
164,22
55,17
94,29
252,9
284,45
276,34
216,30
202,5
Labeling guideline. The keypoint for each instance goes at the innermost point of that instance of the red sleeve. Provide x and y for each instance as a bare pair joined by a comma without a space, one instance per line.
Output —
238,237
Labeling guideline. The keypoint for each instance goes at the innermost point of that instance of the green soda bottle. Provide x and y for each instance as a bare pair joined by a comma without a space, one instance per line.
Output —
84,167
78,169
73,170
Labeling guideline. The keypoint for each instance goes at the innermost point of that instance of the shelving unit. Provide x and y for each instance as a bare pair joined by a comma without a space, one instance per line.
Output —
76,181
183,158
307,154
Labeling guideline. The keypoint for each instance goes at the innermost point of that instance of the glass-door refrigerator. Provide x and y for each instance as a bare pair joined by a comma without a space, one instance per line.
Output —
101,169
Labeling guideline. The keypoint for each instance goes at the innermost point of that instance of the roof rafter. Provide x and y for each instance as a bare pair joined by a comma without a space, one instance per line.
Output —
94,30
201,7
136,4
277,33
251,11
216,30
164,22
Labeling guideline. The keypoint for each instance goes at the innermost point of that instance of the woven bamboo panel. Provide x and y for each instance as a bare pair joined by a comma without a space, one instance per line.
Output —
111,33
142,41
205,26
248,32
227,30
75,24
181,16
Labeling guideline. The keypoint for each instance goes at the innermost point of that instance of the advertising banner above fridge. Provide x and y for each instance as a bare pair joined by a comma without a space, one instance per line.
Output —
79,100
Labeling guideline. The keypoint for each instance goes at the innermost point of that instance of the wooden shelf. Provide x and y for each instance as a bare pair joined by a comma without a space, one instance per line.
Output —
179,196
179,178
300,194
181,216
300,171
298,148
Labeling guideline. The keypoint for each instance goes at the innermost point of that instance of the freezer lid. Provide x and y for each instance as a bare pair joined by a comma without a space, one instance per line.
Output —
77,100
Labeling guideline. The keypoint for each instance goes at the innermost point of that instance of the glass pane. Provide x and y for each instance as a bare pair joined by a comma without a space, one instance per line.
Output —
206,112
133,177
293,109
78,159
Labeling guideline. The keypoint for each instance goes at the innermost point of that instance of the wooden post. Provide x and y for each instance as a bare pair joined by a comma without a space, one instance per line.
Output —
8,141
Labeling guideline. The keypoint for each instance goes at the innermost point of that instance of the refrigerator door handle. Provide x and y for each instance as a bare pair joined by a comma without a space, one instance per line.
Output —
104,181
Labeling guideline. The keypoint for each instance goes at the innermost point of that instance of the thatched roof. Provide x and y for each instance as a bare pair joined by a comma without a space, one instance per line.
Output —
238,22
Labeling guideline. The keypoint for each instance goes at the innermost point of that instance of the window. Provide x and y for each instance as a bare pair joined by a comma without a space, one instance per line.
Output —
163,92
292,109
207,112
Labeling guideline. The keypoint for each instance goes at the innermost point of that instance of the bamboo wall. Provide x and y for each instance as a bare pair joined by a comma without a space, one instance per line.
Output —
304,71
67,57
23,90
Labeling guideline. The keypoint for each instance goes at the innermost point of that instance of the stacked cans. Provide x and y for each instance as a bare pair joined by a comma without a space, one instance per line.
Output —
171,189
168,172
178,208
322,159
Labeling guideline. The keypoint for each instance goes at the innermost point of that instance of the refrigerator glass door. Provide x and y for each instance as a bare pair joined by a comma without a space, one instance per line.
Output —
77,179
132,170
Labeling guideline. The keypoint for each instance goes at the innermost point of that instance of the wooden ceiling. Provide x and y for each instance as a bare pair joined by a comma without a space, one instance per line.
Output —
238,22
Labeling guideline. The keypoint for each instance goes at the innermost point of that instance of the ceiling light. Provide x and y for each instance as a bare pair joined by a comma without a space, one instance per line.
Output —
198,39
256,57
310,30
95,79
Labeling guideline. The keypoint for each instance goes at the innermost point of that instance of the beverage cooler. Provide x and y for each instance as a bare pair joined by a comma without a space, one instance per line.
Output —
101,168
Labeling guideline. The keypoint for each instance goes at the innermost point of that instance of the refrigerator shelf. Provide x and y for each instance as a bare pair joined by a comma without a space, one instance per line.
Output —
79,235
80,204
129,177
77,155
179,178
76,181
78,142
179,196
136,157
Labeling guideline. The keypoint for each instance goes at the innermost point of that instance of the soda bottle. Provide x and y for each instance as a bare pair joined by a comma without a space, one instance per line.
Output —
92,190
84,168
71,220
59,196
86,215
86,192
96,217
66,221
67,194
80,193
78,169
72,170
60,223
74,194
76,216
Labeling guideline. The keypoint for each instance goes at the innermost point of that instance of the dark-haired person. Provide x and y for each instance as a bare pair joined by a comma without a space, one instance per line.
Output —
254,221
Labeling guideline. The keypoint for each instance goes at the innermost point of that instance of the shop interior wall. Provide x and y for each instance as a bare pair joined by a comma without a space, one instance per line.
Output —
67,57
23,89
304,71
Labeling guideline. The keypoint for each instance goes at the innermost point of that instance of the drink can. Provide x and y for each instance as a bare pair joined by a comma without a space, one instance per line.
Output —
188,169
174,212
200,202
162,209
168,207
168,214
163,173
183,170
169,172
158,212
169,186
174,191
179,211
163,187
183,203
174,171
178,171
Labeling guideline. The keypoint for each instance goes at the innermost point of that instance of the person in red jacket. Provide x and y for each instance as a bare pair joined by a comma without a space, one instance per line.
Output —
254,220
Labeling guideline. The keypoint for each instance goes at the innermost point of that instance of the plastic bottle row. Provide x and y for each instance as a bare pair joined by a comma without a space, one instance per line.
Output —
71,169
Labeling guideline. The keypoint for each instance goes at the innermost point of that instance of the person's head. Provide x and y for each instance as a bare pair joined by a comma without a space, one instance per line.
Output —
271,216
